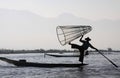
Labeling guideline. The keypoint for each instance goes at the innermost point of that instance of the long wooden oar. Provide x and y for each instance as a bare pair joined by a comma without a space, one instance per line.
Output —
107,58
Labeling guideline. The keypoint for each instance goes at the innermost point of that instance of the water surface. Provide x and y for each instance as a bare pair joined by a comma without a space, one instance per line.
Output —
98,67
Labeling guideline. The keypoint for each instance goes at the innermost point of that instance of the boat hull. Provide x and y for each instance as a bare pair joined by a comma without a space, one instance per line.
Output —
32,64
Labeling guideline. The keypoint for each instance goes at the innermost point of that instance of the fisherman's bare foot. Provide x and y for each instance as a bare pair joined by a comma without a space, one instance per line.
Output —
69,43
82,63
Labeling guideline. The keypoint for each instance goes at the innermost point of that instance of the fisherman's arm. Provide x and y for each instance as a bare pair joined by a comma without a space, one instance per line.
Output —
81,39
93,47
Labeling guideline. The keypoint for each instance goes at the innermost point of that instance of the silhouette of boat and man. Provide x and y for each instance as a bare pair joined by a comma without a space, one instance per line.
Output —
81,48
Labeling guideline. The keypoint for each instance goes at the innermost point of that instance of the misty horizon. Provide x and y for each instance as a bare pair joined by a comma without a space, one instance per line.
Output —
29,28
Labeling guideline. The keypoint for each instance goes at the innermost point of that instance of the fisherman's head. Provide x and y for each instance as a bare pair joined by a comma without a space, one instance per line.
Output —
87,39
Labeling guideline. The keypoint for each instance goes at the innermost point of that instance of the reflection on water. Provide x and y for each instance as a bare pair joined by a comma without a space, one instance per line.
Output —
98,67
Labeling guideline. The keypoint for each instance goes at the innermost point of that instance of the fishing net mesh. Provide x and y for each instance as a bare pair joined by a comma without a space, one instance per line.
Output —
67,34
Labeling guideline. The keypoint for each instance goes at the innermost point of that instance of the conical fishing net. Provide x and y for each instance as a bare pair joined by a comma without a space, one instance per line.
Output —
67,34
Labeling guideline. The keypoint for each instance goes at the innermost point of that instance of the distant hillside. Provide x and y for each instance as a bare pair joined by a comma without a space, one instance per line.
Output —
26,30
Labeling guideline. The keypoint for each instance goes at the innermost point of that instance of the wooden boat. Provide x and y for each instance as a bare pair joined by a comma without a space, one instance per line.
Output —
60,55
23,63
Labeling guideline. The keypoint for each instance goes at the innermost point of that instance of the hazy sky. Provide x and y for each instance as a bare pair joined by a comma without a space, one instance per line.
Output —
89,9
30,24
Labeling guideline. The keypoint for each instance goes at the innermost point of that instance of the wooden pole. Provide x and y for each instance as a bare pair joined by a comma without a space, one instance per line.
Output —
108,59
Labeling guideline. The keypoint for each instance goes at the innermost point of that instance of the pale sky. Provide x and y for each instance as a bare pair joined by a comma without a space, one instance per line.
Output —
89,9
30,24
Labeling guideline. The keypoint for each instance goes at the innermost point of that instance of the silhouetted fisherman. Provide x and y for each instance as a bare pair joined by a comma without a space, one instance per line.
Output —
83,47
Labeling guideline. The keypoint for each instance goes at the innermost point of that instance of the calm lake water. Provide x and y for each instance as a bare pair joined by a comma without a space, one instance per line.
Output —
98,67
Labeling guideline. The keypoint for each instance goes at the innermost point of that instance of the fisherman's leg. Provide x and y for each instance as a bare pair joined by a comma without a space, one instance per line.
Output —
74,46
81,57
